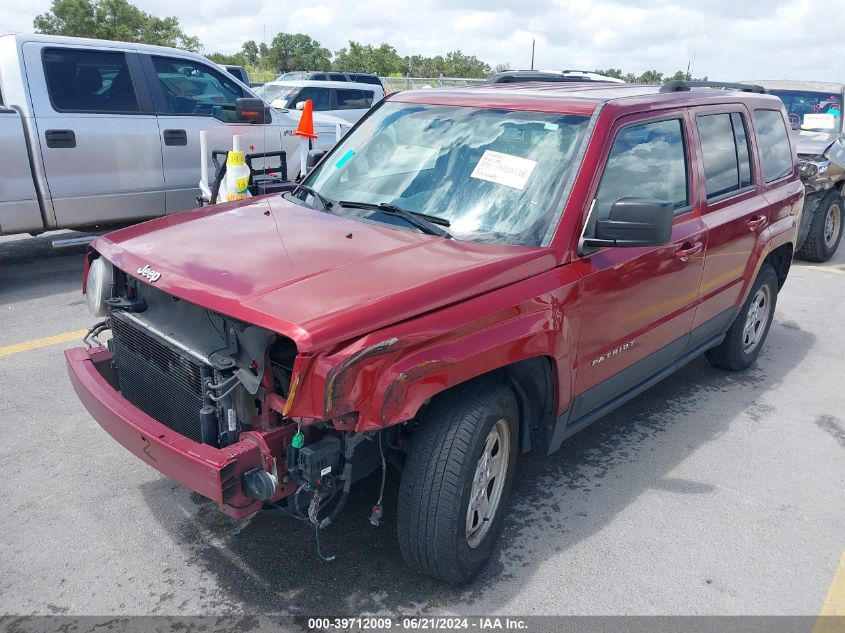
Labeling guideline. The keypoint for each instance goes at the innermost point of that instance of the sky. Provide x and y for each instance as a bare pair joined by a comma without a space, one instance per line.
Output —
723,39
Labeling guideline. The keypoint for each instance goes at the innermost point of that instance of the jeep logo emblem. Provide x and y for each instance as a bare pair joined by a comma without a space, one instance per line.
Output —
149,273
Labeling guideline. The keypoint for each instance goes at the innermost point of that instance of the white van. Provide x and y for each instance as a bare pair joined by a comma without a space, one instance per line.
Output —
344,99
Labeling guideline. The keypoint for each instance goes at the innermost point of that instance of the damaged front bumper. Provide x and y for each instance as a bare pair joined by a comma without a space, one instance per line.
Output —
215,473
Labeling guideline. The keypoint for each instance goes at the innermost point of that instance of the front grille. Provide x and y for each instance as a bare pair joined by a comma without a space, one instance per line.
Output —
157,378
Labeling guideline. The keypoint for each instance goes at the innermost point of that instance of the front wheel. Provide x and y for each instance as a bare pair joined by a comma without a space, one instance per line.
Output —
825,230
457,480
744,339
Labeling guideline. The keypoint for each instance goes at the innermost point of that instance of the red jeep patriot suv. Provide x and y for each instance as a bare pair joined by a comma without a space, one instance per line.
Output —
468,275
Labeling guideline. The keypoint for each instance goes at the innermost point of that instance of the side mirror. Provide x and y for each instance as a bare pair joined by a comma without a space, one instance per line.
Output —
314,157
635,222
251,110
300,105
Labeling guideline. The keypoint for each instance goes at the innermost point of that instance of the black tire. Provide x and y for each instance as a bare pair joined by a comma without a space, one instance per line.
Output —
825,229
438,479
734,353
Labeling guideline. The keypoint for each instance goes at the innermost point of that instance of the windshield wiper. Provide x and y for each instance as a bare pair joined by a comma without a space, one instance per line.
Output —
424,222
327,204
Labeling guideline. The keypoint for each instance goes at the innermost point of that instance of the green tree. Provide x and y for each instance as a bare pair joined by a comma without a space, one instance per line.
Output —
298,52
382,60
616,73
650,77
112,20
457,64
250,52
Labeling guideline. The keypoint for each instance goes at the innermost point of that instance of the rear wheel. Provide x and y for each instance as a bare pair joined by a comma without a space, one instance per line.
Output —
457,480
825,230
745,337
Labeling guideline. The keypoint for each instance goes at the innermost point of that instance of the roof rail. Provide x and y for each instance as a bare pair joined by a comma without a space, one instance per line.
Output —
685,86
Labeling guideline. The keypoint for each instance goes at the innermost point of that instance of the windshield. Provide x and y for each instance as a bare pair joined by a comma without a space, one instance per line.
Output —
490,175
270,92
818,111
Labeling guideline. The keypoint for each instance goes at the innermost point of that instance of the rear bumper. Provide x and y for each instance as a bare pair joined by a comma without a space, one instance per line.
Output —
212,472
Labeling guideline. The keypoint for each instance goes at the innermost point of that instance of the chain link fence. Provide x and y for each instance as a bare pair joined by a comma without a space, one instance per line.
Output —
395,84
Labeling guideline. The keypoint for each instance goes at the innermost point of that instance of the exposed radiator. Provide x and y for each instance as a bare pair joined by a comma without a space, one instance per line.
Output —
163,382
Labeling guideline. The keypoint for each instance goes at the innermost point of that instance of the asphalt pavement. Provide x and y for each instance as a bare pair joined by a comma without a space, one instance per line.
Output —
711,493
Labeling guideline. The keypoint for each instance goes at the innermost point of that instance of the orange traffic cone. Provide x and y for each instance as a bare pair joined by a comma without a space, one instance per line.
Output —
306,122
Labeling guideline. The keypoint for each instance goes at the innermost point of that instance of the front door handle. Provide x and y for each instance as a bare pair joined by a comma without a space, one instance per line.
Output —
59,139
175,137
756,221
688,249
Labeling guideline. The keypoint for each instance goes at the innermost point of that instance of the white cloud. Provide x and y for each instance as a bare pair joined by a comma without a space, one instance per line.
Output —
731,39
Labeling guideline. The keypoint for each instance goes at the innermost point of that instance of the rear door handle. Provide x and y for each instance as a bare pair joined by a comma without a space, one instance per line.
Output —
175,137
58,139
756,221
688,250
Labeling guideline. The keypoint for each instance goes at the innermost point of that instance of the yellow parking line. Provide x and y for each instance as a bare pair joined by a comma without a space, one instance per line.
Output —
827,269
41,342
832,616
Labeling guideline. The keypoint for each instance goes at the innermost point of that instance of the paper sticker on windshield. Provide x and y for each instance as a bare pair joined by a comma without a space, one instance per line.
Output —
820,121
504,169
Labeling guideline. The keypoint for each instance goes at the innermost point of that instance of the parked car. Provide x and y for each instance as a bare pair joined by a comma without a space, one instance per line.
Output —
469,275
349,101
331,75
815,113
238,72
100,132
571,76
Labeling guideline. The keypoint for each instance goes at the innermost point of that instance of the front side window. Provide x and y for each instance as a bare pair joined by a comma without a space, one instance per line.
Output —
321,98
775,152
724,148
89,81
646,161
493,175
193,88
277,95
354,99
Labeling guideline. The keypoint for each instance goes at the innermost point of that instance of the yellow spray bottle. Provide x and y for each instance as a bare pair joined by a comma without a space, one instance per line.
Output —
237,172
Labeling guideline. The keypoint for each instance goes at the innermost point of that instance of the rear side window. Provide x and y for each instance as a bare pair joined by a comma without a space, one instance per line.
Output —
646,161
337,77
89,81
366,79
724,146
354,99
775,152
194,88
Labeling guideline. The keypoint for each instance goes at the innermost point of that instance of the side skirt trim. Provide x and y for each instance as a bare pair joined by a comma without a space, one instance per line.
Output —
566,427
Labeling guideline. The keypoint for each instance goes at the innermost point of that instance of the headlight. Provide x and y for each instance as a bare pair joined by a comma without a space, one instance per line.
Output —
98,286
812,168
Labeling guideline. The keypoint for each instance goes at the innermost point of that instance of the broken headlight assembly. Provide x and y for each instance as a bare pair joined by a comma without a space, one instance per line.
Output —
812,168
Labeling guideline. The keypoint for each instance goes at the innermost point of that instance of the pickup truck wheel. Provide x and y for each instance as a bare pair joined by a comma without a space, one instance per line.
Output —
744,339
825,230
457,480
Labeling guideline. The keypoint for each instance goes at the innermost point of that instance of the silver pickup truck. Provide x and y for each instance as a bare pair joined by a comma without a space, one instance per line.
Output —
98,133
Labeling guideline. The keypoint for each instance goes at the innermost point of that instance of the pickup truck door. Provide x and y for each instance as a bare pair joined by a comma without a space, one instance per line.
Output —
97,134
637,303
190,96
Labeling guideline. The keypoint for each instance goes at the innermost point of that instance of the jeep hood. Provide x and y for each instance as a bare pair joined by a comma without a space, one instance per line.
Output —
315,277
